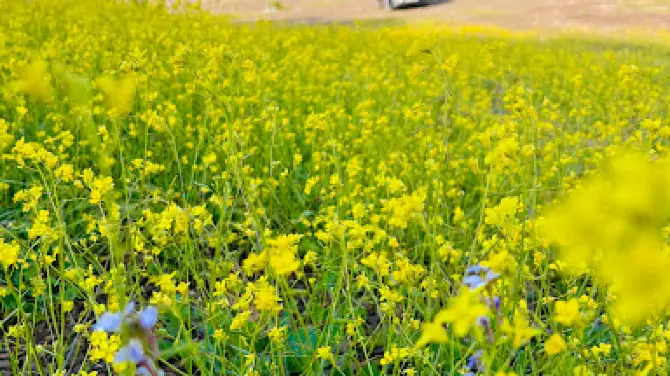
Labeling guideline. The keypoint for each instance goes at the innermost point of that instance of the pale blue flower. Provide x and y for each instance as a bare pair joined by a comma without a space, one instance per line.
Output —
476,269
477,276
475,363
109,322
473,281
144,371
148,317
132,352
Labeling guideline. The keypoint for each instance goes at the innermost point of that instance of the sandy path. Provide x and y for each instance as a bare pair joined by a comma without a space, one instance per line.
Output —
602,15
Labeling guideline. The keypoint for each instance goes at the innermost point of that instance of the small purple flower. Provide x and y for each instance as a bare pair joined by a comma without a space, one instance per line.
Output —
477,276
109,322
475,363
141,326
144,371
129,308
473,282
476,269
132,352
148,317
496,303
485,322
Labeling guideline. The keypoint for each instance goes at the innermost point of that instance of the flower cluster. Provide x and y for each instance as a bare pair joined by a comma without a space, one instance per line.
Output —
137,329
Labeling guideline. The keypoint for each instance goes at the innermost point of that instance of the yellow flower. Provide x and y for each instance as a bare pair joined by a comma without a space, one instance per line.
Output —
65,172
378,262
103,347
284,263
394,355
601,349
567,312
220,335
119,93
282,254
100,187
505,210
324,353
404,209
612,226
209,159
255,262
6,138
34,81
266,299
9,253
240,320
459,214
581,371
310,258
521,332
277,334
462,312
31,197
120,368
555,344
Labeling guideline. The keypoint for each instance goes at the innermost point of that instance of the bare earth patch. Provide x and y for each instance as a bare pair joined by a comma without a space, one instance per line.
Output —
593,15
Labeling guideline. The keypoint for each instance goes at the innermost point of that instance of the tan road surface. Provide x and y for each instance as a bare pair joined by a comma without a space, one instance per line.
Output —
599,15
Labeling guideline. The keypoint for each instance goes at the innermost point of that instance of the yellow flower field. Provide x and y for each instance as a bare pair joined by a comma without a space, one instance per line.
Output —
184,195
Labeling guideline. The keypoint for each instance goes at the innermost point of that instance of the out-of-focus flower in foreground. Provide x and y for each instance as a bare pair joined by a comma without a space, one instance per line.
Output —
611,227
34,81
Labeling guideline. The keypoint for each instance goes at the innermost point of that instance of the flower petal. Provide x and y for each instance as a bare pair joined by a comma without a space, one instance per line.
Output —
491,275
148,317
109,322
143,371
129,308
132,352
474,362
473,281
476,269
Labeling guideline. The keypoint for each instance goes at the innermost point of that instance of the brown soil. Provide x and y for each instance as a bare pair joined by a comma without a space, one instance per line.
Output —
593,15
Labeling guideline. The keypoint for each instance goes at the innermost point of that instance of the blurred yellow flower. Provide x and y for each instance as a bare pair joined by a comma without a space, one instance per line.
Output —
324,353
34,81
567,312
554,344
9,253
119,94
462,312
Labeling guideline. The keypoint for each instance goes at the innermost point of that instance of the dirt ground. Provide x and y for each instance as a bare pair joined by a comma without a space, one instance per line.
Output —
594,15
